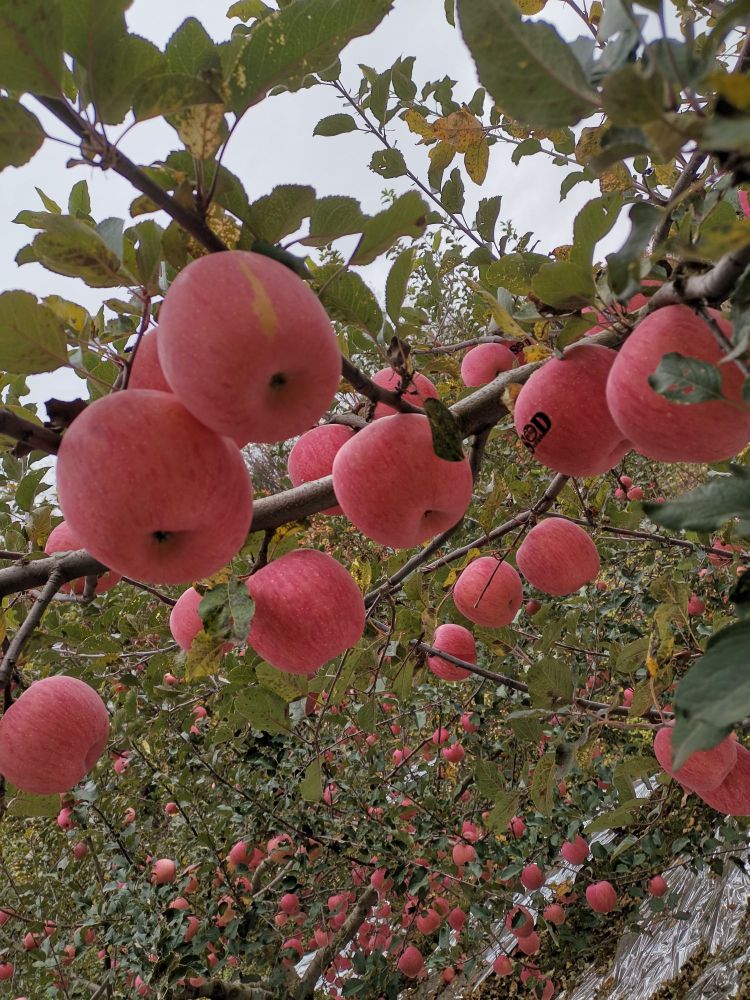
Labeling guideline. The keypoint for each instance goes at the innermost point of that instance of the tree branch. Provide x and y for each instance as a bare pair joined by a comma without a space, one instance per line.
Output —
27,433
55,580
70,565
375,393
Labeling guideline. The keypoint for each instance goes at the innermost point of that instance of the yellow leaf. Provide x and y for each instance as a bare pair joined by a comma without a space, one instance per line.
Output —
460,129
362,573
652,665
537,352
450,579
223,575
515,129
476,160
562,252
615,178
531,6
201,128
509,396
441,155
595,13
733,87
542,329
204,657
589,144
504,320
419,125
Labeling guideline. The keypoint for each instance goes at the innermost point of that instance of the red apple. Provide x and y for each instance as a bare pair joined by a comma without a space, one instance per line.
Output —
184,621
532,877
53,735
247,347
308,610
601,897
151,492
394,488
557,557
312,456
456,641
146,371
670,431
657,886
695,605
704,770
163,872
62,539
488,592
419,389
732,796
411,963
575,852
502,966
561,413
484,362
554,914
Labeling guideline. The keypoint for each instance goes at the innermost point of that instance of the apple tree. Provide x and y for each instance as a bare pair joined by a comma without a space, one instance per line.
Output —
355,644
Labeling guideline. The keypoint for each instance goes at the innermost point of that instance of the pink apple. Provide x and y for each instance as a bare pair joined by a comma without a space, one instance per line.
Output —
670,431
695,605
502,966
732,796
557,557
454,754
554,914
308,609
456,919
488,592
53,735
163,871
394,488
6,970
411,962
312,456
635,493
456,641
419,389
466,722
529,943
484,362
532,607
601,896
657,886
80,850
532,877
463,854
184,621
561,413
517,826
704,770
575,852
519,922
62,539
171,809
146,371
151,492
247,347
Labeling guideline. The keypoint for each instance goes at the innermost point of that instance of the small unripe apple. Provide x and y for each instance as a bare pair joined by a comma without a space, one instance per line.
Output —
601,896
488,592
53,735
394,488
558,557
485,362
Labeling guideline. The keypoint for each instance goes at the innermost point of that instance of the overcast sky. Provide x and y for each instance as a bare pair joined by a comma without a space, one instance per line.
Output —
274,144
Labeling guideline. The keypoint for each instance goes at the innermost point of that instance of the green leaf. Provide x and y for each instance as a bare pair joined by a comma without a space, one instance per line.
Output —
708,506
627,770
504,808
300,39
281,212
248,10
632,95
346,297
450,12
550,683
289,687
71,247
623,816
191,50
543,784
335,125
397,283
311,786
488,779
714,694
403,683
447,440
632,656
388,163
148,254
453,192
263,709
526,728
27,489
488,211
516,271
332,217
530,71
31,46
25,805
21,134
367,716
227,611
686,380
624,265
592,224
170,93
79,202
407,216
564,285
32,337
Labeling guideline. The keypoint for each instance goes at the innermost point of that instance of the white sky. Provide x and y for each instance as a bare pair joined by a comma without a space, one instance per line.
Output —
274,144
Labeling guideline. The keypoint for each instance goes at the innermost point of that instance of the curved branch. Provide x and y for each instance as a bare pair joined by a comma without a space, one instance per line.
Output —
31,435
30,622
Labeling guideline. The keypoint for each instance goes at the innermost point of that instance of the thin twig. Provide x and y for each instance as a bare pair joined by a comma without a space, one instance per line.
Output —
7,666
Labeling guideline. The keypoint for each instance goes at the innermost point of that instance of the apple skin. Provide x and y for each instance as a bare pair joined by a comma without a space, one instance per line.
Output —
411,962
312,456
247,347
502,966
150,492
558,557
657,886
494,587
532,877
163,872
582,438
184,621
393,487
146,371
308,609
484,362
575,852
704,770
677,432
744,200
732,797
456,641
419,389
601,897
53,735
62,539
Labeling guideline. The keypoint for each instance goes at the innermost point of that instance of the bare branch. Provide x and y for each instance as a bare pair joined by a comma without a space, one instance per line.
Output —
71,566
453,348
30,622
29,434
375,393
